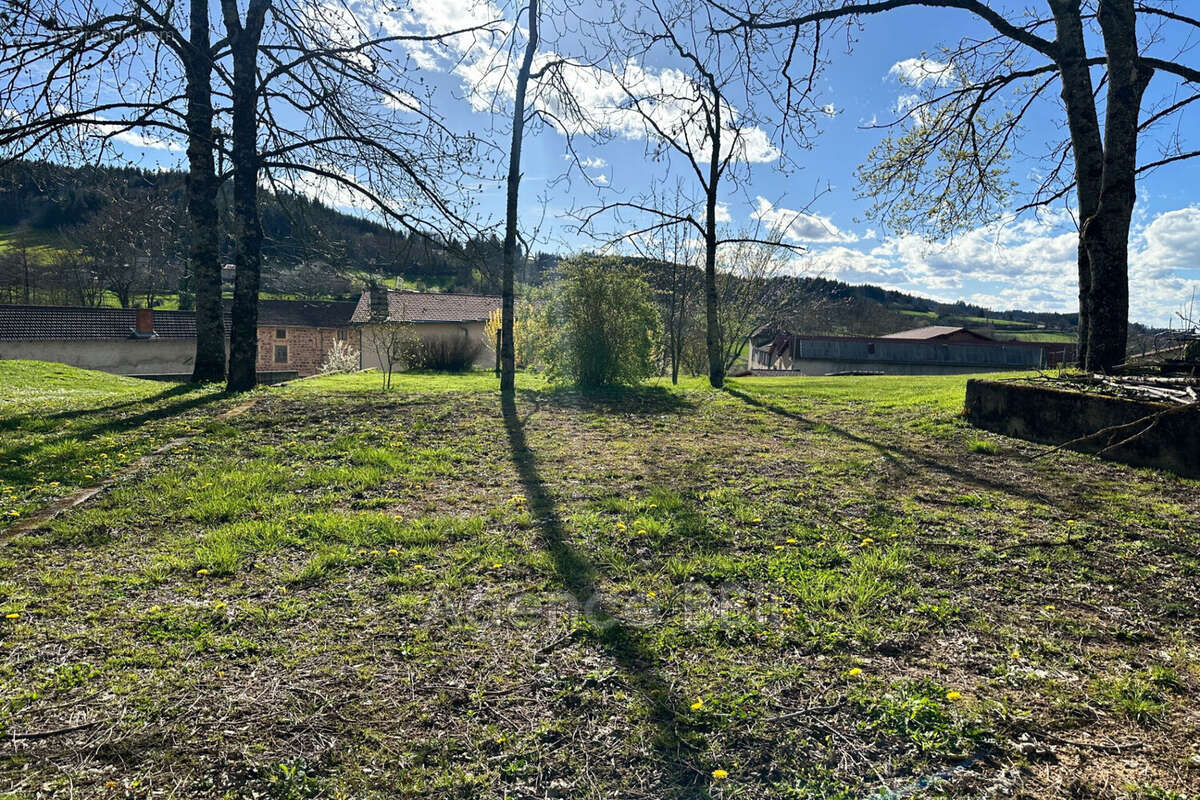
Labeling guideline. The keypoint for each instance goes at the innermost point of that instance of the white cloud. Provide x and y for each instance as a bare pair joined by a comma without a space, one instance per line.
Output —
143,141
601,179
486,67
591,162
1030,263
922,72
797,225
723,214
829,110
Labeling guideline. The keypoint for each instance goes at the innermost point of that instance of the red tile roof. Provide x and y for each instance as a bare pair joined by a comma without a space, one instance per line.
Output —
24,323
28,323
431,307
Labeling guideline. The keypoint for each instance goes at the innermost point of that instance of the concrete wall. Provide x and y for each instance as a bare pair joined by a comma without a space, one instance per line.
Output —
120,356
486,358
1055,416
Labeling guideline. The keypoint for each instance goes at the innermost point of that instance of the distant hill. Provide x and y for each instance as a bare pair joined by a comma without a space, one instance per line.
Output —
313,250
49,202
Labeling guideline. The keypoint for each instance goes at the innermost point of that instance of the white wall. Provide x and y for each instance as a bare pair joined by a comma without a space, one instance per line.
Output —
486,359
120,356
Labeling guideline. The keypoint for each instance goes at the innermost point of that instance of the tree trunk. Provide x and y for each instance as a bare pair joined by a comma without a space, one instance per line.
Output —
203,253
243,341
1106,232
507,350
712,333
1088,149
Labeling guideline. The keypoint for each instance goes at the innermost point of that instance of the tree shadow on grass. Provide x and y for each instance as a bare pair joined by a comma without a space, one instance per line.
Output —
641,400
22,463
627,646
897,456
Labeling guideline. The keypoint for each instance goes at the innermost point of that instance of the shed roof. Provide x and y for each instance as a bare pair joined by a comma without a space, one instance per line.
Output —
936,332
406,306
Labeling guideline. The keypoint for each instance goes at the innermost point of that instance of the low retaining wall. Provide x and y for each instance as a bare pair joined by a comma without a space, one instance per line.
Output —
1055,416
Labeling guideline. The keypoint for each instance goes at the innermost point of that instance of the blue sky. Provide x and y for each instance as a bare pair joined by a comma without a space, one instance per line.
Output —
1025,262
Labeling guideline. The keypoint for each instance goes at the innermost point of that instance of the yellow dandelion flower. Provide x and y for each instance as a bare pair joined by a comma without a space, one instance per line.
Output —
201,572
791,541
953,695
854,672
498,565
14,615
757,519
867,540
1015,654
418,566
719,774
1048,607
777,547
699,704
393,552
652,595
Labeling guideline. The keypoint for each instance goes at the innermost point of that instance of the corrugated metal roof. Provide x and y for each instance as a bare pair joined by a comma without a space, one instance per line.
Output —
934,332
431,307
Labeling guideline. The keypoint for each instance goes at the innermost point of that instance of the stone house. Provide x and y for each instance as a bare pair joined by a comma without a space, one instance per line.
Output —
296,335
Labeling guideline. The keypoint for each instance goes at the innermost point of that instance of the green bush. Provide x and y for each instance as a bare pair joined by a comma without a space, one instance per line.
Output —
602,324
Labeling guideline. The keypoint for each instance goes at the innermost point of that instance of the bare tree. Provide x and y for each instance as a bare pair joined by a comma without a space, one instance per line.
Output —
65,68
751,290
676,275
947,165
695,121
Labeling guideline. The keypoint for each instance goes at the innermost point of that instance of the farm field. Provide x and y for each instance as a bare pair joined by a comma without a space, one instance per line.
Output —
791,588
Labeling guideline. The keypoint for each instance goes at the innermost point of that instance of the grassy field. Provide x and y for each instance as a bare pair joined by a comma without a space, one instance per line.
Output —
793,588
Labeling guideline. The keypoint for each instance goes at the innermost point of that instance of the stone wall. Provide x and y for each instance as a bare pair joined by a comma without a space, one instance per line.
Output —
1054,416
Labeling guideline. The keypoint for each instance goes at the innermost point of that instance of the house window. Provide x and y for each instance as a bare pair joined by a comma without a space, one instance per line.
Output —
281,354
871,349
281,333
341,334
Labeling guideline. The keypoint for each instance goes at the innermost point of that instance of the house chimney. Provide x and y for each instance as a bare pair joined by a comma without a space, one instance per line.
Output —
379,302
144,324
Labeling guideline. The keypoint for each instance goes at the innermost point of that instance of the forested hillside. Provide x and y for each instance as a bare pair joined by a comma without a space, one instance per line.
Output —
118,236
87,235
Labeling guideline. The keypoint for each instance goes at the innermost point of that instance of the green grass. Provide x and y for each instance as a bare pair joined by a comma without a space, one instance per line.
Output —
823,587
63,428
1040,336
